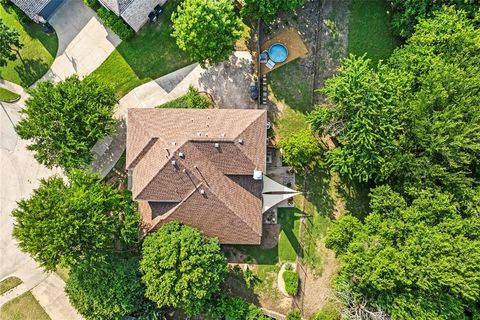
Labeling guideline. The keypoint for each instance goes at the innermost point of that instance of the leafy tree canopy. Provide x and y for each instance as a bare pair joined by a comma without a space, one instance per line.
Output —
300,149
415,121
417,259
234,308
66,119
407,13
10,44
82,220
267,10
207,29
365,117
107,290
181,268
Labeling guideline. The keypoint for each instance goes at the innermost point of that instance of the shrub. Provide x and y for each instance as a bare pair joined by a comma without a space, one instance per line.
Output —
90,3
115,23
294,315
291,282
191,100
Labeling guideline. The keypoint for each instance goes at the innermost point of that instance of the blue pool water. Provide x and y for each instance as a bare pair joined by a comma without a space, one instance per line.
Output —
278,52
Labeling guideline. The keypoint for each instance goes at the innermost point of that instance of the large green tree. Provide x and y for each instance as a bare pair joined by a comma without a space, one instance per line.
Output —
66,119
267,10
416,259
300,150
364,118
181,268
107,290
416,120
207,29
407,13
10,44
80,220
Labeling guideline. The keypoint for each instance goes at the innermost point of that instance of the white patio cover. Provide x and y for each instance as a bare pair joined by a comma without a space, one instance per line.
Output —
274,193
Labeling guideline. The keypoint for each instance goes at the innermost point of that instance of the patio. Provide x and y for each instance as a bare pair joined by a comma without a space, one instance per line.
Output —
295,45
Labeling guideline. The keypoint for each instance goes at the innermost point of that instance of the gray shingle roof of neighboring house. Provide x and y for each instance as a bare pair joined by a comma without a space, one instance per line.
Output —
134,12
31,7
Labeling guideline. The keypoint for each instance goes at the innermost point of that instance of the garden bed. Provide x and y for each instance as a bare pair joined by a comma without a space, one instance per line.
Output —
8,284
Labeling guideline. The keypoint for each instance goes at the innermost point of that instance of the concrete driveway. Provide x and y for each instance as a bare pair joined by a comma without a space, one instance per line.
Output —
19,176
83,41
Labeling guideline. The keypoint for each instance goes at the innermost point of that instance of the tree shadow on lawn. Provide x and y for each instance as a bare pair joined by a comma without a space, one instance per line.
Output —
153,49
31,70
235,284
290,84
317,192
356,196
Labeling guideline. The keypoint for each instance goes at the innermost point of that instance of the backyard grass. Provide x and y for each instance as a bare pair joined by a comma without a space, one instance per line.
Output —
38,52
370,30
7,95
8,284
22,308
63,273
287,247
152,53
290,86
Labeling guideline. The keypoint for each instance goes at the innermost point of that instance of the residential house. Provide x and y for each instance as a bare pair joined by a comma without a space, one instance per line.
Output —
38,10
134,12
204,168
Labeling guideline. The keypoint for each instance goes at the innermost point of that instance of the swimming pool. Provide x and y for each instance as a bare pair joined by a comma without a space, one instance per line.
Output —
278,52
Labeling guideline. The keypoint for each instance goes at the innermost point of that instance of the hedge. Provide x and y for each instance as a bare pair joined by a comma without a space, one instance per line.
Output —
115,23
291,282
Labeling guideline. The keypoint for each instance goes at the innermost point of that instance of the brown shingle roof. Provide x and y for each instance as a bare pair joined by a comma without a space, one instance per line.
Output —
203,161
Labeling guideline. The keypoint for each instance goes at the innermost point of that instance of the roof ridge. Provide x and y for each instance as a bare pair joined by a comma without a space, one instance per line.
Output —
220,198
244,130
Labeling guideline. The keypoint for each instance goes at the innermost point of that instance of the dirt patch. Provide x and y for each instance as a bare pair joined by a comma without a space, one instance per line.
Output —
315,291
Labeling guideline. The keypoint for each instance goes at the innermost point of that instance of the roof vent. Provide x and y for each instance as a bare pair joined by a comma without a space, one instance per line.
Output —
217,145
181,155
199,133
240,141
223,134
173,143
257,175
174,163
202,191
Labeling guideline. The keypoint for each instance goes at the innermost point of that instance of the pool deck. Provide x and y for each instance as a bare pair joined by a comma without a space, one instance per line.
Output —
291,39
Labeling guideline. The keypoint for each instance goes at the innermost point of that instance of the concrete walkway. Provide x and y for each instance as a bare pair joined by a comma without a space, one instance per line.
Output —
83,41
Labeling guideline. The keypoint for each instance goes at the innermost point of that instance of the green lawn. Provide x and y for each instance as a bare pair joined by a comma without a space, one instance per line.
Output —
287,248
38,52
63,273
7,95
370,31
9,283
22,308
152,53
290,86
269,260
